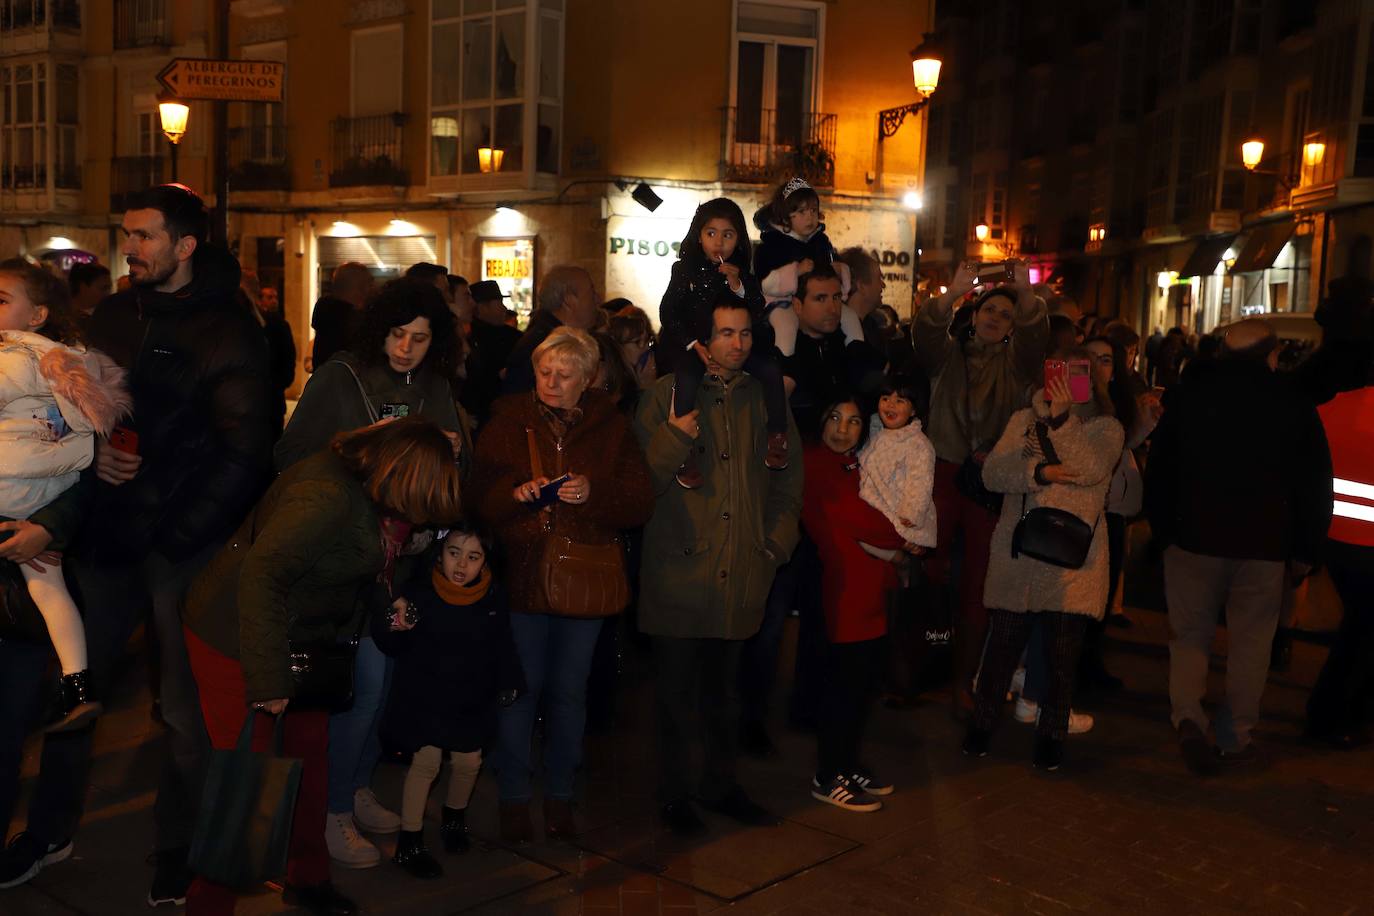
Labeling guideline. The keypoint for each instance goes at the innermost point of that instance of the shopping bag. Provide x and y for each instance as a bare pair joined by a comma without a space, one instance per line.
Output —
921,628
243,829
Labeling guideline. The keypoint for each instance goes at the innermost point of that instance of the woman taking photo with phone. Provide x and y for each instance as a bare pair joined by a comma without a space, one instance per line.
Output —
1048,563
980,375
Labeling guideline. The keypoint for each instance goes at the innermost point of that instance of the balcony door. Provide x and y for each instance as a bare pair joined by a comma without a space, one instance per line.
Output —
776,89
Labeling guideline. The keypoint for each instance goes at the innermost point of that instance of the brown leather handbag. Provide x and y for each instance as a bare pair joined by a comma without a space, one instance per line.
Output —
576,579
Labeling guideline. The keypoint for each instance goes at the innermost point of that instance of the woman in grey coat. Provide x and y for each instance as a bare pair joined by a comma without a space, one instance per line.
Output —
1061,455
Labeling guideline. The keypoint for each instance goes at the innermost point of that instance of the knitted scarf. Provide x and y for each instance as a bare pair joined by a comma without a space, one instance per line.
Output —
461,595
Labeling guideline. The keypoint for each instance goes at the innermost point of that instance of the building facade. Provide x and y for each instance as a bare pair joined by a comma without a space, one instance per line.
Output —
1102,142
495,137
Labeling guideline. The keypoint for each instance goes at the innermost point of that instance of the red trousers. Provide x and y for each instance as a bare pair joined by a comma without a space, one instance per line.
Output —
223,699
956,513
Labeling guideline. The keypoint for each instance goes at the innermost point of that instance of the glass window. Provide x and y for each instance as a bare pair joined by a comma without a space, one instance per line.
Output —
444,64
476,60
68,101
774,89
481,83
510,56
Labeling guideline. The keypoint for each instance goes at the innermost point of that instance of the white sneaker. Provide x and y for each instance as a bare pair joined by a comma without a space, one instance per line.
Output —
346,845
370,814
1028,711
1018,682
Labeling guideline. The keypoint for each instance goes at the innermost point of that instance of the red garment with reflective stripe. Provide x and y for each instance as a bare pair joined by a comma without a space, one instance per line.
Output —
1349,422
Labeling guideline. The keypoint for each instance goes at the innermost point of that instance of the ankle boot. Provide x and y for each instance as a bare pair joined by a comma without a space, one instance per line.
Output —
454,831
413,857
75,706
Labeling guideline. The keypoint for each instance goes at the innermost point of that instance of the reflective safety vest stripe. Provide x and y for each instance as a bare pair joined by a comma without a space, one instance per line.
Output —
1349,423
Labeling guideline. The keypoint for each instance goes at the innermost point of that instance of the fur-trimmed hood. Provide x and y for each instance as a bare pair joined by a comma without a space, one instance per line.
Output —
90,389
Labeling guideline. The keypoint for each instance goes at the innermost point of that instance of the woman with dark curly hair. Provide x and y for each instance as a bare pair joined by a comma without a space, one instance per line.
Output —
400,365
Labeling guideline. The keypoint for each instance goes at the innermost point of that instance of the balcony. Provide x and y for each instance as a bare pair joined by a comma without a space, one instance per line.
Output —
130,175
142,24
763,146
257,158
35,14
367,151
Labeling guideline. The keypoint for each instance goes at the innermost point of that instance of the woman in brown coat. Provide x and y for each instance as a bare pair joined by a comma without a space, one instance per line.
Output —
578,432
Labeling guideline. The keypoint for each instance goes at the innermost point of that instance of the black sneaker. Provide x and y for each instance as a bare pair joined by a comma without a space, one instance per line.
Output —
682,819
754,740
867,782
740,808
1197,751
25,857
842,793
976,743
319,899
171,878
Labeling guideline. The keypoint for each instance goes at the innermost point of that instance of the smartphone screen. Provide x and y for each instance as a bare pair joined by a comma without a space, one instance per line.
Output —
548,493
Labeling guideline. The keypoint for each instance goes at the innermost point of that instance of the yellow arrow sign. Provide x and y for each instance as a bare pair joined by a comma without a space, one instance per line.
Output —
225,80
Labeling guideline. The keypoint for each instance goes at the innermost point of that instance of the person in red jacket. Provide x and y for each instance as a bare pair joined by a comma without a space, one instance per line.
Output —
854,587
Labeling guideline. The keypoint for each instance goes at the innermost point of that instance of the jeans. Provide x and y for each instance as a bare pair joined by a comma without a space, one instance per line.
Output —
556,653
115,599
66,756
1197,587
354,747
695,677
796,585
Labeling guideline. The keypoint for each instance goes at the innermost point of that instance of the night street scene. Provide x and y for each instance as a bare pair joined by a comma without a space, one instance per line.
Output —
596,457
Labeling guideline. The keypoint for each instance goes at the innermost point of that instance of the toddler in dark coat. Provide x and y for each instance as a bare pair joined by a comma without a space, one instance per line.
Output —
455,662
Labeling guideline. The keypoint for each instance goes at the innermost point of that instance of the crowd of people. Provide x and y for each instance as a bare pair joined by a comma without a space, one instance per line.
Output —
458,515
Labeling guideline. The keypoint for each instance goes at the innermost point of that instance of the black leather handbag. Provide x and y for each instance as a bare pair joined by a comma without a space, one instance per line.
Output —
1053,536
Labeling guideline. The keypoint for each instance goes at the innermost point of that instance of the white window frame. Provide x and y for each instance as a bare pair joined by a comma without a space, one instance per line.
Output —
770,67
529,99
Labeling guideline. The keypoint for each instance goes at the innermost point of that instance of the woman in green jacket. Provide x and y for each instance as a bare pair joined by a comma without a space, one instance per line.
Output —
400,365
327,532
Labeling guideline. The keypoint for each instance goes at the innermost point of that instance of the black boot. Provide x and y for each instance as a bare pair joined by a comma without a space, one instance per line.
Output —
1049,753
75,706
976,742
454,831
413,857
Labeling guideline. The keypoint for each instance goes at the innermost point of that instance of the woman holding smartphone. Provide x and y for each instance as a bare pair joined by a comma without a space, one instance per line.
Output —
1057,454
980,375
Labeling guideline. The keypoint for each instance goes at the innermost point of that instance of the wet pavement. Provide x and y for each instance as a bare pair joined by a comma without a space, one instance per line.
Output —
1121,829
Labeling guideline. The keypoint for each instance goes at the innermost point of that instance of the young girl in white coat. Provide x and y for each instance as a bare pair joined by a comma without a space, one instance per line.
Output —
55,399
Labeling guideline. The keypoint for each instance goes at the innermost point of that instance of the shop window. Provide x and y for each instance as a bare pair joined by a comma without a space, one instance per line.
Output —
496,80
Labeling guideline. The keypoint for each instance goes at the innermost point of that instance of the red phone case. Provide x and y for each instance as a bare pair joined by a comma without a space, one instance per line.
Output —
124,440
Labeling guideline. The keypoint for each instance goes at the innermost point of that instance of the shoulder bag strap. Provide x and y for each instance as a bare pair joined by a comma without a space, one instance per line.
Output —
537,469
367,401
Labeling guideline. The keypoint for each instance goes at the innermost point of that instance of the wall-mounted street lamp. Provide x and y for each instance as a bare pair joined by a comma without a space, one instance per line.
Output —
1252,154
489,159
926,60
173,114
980,232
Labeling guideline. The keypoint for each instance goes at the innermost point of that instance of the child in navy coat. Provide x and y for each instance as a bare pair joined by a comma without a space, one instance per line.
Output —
455,663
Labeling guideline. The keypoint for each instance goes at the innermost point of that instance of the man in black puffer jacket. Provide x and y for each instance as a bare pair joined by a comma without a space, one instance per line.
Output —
199,458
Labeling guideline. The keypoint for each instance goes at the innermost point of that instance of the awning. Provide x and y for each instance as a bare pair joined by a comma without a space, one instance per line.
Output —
1203,261
1263,246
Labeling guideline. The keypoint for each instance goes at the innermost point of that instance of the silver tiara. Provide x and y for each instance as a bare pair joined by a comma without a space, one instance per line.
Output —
793,186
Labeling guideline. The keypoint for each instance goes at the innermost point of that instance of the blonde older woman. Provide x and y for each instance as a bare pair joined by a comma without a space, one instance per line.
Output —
577,431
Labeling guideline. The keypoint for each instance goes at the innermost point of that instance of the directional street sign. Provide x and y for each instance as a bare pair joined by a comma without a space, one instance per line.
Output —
225,80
